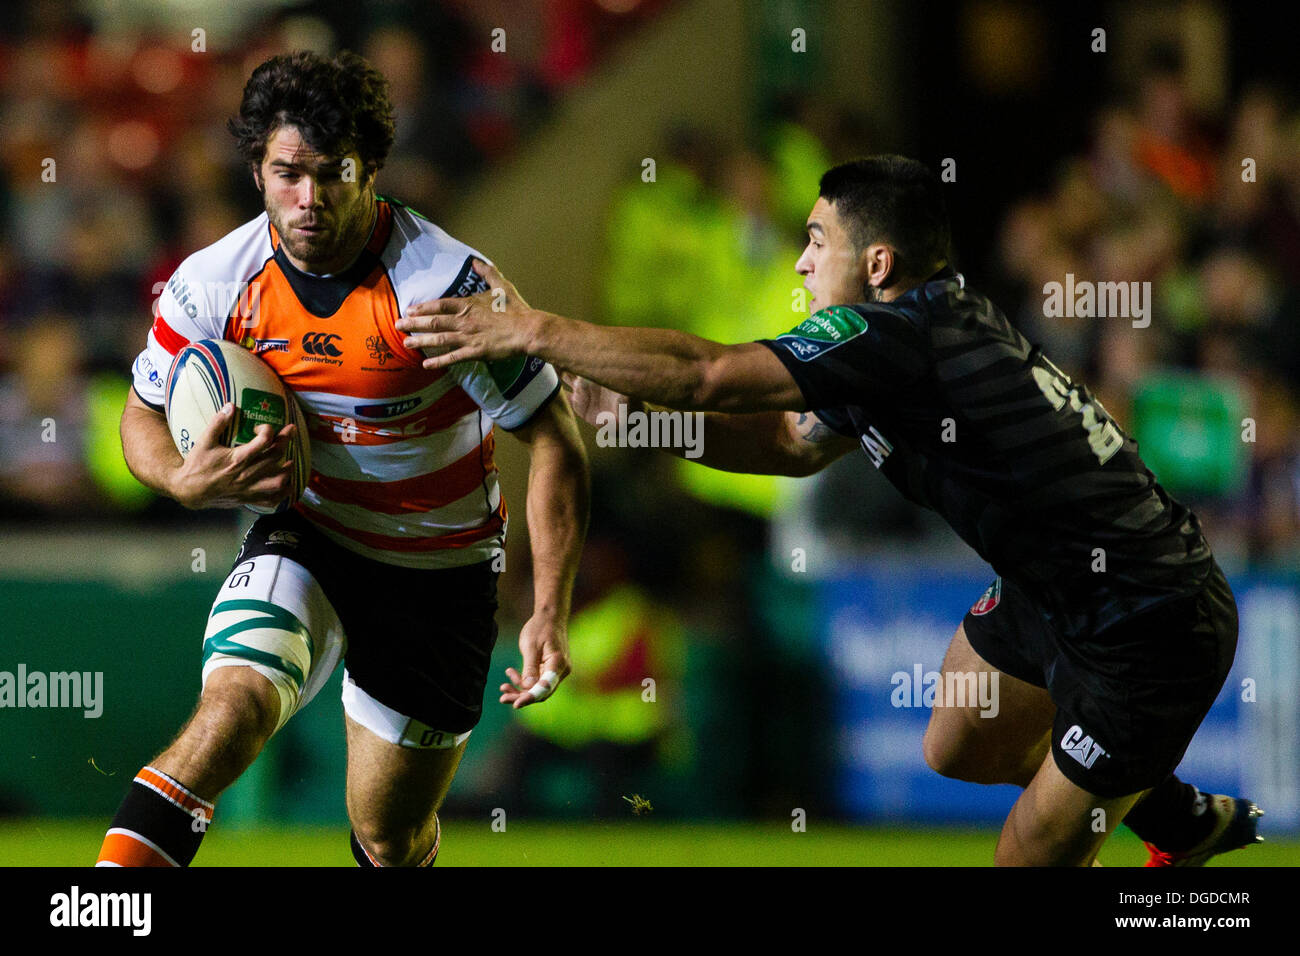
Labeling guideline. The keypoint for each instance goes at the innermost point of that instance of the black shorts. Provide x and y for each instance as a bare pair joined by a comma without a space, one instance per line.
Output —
418,641
1128,700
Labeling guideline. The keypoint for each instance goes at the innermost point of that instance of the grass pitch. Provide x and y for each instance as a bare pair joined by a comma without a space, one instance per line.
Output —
635,843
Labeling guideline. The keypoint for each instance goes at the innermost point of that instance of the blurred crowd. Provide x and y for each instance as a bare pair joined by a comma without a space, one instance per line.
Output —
1207,210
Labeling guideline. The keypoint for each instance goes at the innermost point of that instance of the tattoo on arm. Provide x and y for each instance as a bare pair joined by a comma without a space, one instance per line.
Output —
810,429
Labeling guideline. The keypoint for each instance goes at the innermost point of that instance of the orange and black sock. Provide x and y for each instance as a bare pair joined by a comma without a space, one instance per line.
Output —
160,823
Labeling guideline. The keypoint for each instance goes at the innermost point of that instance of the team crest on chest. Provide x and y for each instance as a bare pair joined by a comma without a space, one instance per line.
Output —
380,353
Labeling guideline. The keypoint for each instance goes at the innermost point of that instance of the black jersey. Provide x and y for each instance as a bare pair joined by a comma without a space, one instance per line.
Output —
964,416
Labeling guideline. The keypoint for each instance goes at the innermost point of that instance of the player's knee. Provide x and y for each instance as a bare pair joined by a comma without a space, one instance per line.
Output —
954,766
236,716
261,651
225,735
949,759
938,756
391,844
242,700
944,754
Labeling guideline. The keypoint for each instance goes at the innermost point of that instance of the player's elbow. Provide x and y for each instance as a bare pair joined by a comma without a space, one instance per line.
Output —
799,459
566,439
571,456
712,388
557,445
136,417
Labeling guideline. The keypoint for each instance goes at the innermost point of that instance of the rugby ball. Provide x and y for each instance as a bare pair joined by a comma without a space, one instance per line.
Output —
205,375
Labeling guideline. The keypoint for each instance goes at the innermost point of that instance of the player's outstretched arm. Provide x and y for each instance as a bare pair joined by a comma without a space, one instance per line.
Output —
794,444
213,475
559,491
660,365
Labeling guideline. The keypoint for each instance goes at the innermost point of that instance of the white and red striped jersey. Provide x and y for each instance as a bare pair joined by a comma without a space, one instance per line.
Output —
402,463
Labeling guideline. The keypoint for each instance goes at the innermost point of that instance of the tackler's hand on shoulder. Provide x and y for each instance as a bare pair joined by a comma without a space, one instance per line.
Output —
489,325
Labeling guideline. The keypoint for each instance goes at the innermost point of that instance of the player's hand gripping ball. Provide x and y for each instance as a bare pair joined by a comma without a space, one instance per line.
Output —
207,374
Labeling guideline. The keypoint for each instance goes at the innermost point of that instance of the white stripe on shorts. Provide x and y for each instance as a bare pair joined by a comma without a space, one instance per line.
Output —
390,725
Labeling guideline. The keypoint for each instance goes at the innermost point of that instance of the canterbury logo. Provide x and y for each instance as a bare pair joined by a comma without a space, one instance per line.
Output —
321,343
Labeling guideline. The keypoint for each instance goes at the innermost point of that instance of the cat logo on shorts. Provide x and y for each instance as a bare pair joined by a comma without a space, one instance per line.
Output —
989,600
1081,746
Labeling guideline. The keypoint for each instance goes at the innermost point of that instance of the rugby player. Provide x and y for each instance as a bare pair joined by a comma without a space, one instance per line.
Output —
389,561
1104,675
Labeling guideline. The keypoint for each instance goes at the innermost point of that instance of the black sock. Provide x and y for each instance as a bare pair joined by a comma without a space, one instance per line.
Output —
160,823
1174,816
359,852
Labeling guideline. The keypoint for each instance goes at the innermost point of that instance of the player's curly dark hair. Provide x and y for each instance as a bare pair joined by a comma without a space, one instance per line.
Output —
895,200
338,105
